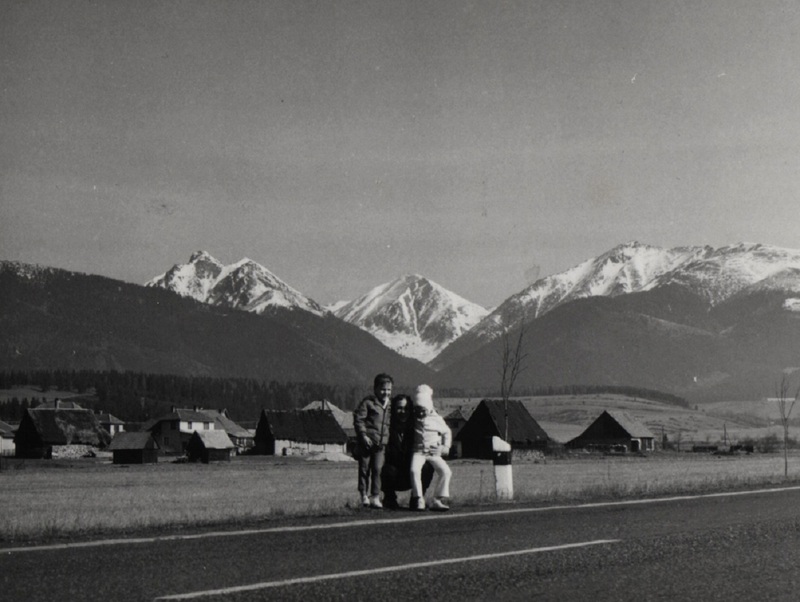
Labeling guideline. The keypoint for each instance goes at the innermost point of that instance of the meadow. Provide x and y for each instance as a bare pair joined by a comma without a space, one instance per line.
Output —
47,500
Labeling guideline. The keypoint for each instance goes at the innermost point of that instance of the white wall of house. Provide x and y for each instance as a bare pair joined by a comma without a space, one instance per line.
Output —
7,447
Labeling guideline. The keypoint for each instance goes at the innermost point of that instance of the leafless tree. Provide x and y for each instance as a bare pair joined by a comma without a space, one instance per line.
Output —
785,407
512,364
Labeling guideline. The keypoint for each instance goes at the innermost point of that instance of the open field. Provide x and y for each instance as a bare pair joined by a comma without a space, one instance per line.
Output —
80,498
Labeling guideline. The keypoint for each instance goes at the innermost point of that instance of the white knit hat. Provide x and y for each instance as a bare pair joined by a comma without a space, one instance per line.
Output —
423,397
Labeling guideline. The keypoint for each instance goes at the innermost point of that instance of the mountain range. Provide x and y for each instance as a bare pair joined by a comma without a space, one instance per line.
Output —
411,315
698,322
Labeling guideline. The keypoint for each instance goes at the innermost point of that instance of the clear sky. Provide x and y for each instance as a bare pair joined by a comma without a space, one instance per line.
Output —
342,144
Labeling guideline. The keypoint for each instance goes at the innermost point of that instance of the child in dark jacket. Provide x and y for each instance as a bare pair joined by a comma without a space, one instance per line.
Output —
432,440
371,423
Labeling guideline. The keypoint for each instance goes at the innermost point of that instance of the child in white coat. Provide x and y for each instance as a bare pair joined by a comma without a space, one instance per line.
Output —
432,440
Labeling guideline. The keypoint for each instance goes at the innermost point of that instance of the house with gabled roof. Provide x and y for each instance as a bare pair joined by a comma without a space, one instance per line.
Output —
111,423
615,429
172,431
53,433
210,446
134,448
242,439
285,432
490,419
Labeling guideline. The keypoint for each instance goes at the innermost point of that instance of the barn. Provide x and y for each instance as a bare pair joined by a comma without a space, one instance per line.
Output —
54,433
345,419
489,420
615,430
284,432
134,448
209,446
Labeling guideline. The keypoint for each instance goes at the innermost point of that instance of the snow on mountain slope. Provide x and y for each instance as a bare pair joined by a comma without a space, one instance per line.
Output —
713,274
412,315
724,272
244,285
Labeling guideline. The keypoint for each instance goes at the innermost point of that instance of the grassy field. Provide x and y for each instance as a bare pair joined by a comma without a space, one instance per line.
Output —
44,500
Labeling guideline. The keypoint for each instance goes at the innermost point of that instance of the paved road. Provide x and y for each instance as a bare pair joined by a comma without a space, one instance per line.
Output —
701,548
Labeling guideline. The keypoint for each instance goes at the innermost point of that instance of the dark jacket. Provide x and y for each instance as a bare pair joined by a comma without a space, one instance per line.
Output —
370,418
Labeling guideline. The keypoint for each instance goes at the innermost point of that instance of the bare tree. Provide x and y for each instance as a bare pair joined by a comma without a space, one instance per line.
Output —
512,364
785,407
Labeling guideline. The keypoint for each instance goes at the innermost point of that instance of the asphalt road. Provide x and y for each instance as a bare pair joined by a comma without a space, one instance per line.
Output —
698,548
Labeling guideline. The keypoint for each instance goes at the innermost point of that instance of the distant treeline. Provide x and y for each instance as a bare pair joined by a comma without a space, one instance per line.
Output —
138,397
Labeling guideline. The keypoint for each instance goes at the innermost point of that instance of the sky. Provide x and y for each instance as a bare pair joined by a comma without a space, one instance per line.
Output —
343,144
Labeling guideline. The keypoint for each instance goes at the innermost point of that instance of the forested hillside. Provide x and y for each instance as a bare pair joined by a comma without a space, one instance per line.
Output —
137,397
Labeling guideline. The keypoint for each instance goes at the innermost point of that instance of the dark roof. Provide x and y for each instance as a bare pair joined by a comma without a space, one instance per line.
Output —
489,418
64,427
138,440
6,430
633,427
345,419
213,439
309,426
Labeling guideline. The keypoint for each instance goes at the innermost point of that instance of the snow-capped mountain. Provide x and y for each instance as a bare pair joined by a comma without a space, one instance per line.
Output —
244,285
712,274
412,315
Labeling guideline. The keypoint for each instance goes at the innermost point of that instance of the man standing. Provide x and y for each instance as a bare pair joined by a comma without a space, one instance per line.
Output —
371,422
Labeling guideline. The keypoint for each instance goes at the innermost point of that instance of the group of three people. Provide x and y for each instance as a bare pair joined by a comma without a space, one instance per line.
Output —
401,445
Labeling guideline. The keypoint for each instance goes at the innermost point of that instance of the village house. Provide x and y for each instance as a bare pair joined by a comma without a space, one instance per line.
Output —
242,439
111,423
614,430
56,433
173,431
285,432
134,448
490,419
210,446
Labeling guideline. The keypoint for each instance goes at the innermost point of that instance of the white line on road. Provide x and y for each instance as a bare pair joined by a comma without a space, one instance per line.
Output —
385,521
377,571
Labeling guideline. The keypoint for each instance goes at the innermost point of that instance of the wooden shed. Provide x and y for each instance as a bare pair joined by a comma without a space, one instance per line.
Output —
134,448
489,420
209,446
285,432
615,430
49,433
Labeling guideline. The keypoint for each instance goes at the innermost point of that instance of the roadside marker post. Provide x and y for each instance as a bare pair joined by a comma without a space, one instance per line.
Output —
503,479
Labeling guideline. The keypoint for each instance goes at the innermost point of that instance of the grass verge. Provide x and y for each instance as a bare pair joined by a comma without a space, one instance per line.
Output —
44,501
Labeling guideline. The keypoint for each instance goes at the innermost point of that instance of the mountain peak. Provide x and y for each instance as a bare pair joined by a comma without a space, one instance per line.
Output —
245,285
412,315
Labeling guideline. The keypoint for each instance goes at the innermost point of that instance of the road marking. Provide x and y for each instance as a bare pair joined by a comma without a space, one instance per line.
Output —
385,569
384,521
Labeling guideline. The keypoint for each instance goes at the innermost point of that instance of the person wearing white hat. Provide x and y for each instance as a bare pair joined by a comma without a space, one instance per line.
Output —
432,440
